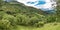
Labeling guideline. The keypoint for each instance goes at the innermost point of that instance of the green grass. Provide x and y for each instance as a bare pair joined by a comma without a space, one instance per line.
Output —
49,26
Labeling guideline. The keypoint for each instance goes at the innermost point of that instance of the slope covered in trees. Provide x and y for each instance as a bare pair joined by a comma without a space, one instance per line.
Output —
15,13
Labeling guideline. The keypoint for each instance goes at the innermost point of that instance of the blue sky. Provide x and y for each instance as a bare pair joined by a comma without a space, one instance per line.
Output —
39,2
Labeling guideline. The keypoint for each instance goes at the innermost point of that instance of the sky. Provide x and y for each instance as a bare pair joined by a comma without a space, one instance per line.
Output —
40,4
44,5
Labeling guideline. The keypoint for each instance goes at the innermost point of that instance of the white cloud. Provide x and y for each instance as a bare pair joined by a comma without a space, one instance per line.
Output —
48,4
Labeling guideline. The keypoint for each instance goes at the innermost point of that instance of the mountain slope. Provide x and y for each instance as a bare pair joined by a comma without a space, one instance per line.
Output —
14,14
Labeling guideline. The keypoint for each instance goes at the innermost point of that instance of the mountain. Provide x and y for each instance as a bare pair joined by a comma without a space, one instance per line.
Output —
20,7
14,13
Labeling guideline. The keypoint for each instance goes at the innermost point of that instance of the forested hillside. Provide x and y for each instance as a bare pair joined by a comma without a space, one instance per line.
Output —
13,14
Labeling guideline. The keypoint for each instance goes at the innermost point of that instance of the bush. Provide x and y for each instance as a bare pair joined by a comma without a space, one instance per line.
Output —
39,24
25,20
10,18
22,19
50,19
5,25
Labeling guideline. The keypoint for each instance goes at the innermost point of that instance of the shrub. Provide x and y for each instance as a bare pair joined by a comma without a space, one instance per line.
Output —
5,25
10,18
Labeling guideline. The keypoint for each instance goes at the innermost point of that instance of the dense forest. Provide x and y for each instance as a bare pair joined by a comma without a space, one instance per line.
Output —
15,13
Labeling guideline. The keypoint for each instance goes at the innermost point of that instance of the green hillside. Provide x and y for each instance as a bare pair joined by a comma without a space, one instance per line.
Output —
17,16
